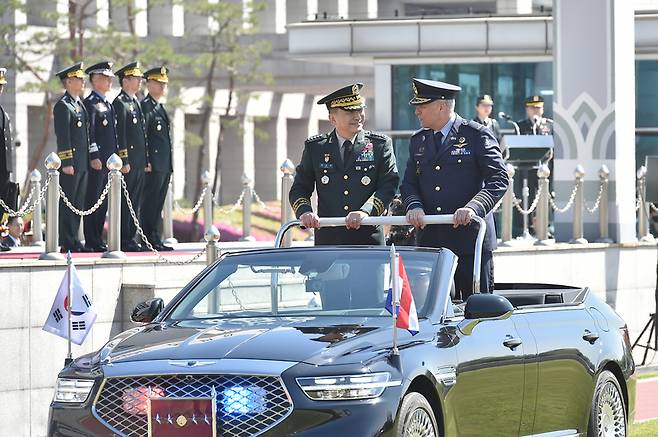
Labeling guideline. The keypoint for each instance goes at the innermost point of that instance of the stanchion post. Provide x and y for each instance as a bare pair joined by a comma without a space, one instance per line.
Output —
212,254
168,217
53,163
604,174
114,165
541,219
35,182
507,208
207,200
288,171
643,212
525,195
578,207
246,208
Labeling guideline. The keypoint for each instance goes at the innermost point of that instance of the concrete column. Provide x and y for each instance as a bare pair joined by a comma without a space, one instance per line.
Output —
513,7
178,139
265,169
161,19
118,17
141,18
296,11
233,165
330,7
588,130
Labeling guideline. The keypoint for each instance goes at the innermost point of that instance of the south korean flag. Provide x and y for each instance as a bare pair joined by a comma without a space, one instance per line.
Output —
83,314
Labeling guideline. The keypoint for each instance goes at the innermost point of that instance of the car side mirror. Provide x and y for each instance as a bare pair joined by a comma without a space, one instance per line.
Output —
146,312
485,306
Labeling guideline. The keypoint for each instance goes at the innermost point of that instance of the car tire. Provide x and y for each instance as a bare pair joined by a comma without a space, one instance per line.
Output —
608,414
416,418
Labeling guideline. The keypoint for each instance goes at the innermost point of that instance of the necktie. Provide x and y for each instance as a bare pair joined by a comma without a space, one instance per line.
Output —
347,150
438,139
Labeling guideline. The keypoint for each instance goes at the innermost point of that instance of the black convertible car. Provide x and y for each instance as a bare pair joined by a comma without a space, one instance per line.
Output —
297,342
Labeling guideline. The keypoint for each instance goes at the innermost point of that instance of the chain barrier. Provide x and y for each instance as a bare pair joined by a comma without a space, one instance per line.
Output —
532,207
653,207
234,207
91,210
260,202
146,241
597,202
28,206
638,202
551,200
196,206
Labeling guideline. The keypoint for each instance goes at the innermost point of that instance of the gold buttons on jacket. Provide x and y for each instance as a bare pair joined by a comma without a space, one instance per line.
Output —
345,177
346,208
346,192
437,188
437,168
438,209
459,161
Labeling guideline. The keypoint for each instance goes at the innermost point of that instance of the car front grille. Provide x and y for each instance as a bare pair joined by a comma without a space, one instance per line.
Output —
246,405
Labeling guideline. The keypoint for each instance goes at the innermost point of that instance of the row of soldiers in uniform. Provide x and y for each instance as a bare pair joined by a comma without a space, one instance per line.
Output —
89,131
534,124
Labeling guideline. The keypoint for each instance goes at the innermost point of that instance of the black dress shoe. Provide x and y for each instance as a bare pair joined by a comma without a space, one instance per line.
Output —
80,248
162,248
89,248
131,246
4,248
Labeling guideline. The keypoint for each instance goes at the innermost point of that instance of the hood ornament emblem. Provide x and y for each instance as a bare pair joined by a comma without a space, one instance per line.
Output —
190,363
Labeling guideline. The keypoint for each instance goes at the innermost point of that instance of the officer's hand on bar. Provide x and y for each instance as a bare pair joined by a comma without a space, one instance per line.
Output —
69,170
353,219
96,164
310,220
416,217
462,217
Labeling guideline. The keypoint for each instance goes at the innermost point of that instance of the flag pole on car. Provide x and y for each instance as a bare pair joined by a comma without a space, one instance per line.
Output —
395,297
69,262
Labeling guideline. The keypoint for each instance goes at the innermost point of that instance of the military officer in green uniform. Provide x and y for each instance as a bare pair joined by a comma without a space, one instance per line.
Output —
353,171
535,123
6,152
131,138
71,129
159,150
483,107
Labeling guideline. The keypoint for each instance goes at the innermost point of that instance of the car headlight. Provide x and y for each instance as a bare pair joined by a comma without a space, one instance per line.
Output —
73,390
349,387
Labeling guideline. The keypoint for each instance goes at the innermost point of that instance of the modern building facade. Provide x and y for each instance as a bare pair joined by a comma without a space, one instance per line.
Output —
507,48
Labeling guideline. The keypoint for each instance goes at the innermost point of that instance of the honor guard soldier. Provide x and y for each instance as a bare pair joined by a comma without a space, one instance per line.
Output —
131,136
536,123
71,129
483,107
454,167
158,172
353,171
103,138
7,194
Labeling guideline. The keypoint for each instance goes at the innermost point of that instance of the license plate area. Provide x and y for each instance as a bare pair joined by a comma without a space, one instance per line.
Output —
182,417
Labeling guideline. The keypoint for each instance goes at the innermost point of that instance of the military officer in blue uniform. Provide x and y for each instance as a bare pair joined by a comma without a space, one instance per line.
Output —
103,138
160,152
6,153
72,131
454,167
353,171
131,135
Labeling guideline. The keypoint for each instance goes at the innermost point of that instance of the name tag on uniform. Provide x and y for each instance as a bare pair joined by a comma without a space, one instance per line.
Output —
460,152
327,165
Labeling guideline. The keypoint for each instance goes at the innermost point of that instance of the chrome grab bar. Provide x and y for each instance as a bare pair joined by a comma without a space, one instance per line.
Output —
444,219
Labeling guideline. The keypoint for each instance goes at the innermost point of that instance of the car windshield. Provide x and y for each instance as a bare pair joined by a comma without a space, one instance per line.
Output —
306,282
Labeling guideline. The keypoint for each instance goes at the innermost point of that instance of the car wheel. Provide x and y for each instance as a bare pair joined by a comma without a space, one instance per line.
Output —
608,415
416,418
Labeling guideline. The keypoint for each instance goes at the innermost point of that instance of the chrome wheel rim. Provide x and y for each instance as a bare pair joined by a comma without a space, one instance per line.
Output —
419,425
610,419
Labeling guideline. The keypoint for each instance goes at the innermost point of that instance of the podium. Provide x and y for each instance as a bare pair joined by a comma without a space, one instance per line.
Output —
527,150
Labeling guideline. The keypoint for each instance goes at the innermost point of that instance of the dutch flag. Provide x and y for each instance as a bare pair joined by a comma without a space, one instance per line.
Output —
407,316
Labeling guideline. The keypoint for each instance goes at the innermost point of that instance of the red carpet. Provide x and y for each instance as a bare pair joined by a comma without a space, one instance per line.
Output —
35,255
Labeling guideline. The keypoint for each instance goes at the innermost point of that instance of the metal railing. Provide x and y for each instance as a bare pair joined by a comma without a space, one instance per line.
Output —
400,220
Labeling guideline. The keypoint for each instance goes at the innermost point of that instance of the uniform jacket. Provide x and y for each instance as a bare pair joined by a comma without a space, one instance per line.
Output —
6,143
71,129
492,124
366,182
131,132
543,127
158,135
102,128
466,171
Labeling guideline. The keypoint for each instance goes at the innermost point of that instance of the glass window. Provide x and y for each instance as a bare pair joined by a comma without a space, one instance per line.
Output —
646,109
313,282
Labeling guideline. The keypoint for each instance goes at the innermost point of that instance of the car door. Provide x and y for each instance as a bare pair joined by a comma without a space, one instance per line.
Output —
487,398
567,351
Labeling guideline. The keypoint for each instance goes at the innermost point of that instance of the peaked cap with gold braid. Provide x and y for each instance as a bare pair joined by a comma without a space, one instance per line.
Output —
348,98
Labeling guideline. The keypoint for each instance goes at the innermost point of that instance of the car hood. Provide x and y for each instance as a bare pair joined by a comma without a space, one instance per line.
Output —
313,340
